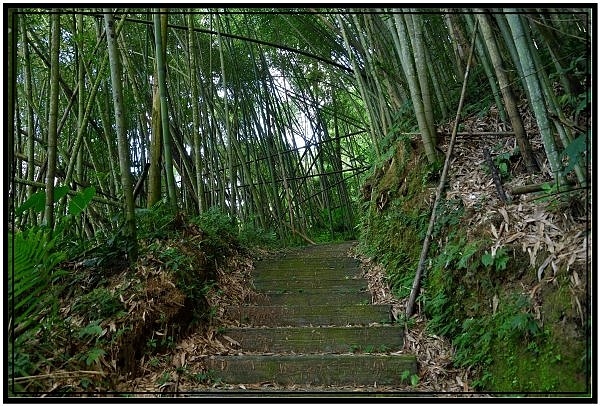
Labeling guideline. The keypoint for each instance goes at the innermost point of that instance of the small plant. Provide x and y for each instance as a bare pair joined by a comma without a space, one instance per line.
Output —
251,235
354,348
152,344
575,153
407,376
164,378
383,348
99,303
221,232
201,377
414,379
518,321
497,260
93,356
85,383
502,162
92,330
449,212
154,361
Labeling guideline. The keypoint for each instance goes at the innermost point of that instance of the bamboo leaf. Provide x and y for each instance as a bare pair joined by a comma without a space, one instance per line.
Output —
80,201
574,152
36,202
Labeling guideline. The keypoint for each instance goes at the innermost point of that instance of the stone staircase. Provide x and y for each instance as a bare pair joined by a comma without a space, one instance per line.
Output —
314,325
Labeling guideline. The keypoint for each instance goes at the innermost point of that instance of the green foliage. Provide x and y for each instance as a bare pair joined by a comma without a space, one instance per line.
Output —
92,330
502,162
80,201
433,172
443,294
497,260
394,236
576,72
253,236
406,376
32,293
100,303
575,153
221,232
164,378
513,325
547,363
37,201
449,213
174,259
190,277
93,356
155,222
32,259
516,320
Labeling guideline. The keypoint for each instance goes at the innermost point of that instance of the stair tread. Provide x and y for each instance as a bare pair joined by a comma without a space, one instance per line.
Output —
313,323
316,369
382,338
282,315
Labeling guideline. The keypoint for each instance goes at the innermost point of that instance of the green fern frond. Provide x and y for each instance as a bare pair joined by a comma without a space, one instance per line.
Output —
31,263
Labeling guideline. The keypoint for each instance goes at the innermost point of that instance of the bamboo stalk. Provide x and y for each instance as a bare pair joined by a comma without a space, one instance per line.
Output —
535,187
60,374
417,281
468,133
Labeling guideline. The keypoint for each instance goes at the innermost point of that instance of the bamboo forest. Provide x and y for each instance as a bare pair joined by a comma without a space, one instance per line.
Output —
247,202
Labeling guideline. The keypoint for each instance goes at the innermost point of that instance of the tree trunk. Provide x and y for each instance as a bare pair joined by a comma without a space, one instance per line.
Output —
415,91
481,50
160,31
154,172
416,30
122,141
196,136
228,130
53,117
11,99
510,101
360,82
30,115
535,92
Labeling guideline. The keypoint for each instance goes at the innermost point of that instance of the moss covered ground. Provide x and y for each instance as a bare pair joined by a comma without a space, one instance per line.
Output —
514,330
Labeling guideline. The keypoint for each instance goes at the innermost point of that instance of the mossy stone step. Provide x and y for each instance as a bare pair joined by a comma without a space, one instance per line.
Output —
336,298
314,369
327,251
319,315
286,262
308,285
340,273
314,324
319,339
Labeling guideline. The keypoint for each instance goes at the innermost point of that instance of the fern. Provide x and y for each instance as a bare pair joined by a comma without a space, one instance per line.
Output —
31,263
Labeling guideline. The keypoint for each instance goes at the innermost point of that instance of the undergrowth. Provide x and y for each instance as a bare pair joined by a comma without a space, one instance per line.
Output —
79,307
472,295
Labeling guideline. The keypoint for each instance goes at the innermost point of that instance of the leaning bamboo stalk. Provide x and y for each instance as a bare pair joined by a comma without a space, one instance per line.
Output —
539,187
417,281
